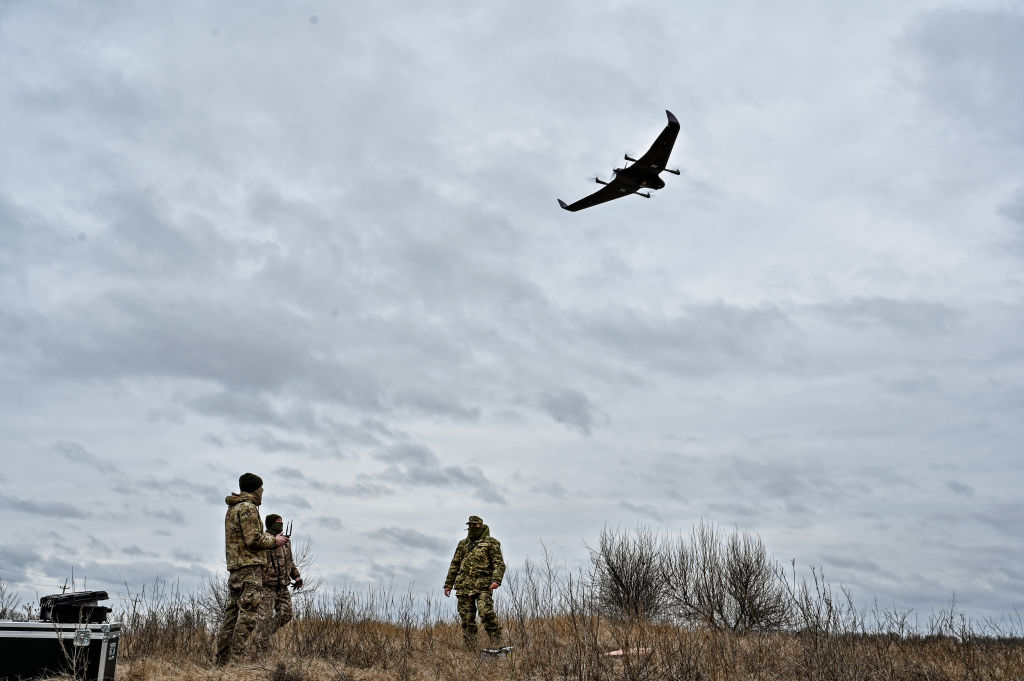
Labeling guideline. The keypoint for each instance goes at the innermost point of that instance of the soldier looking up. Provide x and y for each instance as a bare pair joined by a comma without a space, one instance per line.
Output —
277,577
476,571
245,548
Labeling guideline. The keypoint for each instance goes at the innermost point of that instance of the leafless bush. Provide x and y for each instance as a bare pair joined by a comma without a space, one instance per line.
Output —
724,582
721,581
755,585
627,570
9,603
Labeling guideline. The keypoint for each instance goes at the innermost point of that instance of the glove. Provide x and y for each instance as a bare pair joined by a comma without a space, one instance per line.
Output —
297,585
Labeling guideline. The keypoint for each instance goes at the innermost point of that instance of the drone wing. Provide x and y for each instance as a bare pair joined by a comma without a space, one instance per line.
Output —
657,156
611,191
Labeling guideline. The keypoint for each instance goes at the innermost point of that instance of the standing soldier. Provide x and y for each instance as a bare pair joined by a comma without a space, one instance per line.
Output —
277,576
245,545
476,571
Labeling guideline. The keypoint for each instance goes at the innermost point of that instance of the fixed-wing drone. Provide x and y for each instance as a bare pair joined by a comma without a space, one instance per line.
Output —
643,174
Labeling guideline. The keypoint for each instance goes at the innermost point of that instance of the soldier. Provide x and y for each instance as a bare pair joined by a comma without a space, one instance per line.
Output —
277,576
246,546
476,571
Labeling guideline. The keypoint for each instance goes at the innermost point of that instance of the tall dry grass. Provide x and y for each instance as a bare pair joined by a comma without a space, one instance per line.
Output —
565,627
562,631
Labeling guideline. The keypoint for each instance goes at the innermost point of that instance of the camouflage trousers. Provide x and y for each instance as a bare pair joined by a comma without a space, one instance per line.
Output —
469,605
276,600
245,593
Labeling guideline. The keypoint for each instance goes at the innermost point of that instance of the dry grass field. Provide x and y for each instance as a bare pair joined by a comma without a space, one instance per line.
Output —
569,648
708,609
561,633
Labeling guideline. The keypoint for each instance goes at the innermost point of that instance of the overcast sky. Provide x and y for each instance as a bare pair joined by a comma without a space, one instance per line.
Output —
323,245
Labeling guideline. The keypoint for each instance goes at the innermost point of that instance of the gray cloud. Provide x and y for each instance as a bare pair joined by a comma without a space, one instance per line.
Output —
289,473
410,538
773,480
959,487
18,557
187,557
906,316
50,509
1003,517
969,61
362,488
1013,210
846,562
329,522
292,501
268,442
417,465
180,487
76,453
571,408
551,488
164,515
646,510
704,339
133,550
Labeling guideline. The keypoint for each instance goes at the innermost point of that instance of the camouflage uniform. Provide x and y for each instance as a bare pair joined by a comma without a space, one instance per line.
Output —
476,564
246,547
277,576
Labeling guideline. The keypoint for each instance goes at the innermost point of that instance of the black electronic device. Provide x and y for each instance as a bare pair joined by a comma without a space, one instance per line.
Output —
75,606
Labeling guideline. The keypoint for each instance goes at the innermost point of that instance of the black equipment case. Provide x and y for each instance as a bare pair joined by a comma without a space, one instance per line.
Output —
74,641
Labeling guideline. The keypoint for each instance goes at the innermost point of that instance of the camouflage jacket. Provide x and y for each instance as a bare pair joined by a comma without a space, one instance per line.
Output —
245,542
476,564
280,569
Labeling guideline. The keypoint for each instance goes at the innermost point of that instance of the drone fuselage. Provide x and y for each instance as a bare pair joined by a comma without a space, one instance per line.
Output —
639,177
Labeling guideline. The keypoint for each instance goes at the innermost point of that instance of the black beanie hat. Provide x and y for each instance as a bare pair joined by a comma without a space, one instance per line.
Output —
273,518
249,482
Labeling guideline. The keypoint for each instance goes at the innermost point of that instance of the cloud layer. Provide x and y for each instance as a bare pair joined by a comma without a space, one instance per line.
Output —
329,252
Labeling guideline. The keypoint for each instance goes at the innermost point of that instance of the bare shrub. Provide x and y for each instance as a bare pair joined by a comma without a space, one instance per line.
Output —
725,582
628,573
9,602
755,585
